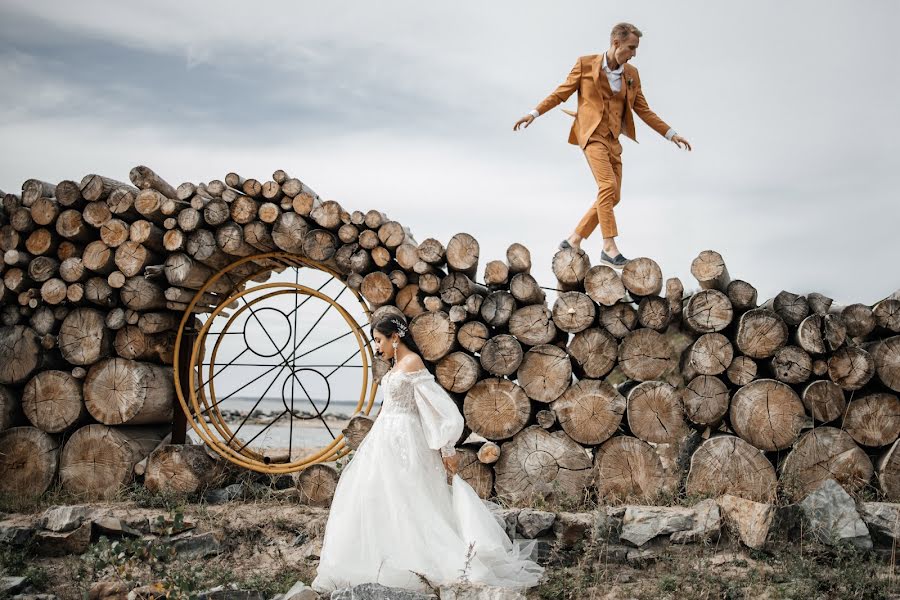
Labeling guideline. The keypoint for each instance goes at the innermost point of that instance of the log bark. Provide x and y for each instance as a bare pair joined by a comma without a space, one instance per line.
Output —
594,353
768,414
518,258
644,355
525,289
570,266
98,460
501,355
83,337
726,464
462,254
873,420
791,307
675,297
496,409
97,187
536,463
29,461
496,274
626,468
118,391
886,313
33,189
655,413
145,178
590,411
887,362
888,469
824,453
545,373
53,401
821,334
705,400
132,343
409,301
742,295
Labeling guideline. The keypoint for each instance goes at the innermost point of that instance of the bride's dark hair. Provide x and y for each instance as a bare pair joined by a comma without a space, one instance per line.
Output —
392,324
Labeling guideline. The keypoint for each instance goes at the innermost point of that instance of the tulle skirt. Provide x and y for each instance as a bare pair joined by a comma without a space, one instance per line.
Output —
394,521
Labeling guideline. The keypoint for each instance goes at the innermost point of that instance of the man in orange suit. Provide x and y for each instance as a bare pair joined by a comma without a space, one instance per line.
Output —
609,92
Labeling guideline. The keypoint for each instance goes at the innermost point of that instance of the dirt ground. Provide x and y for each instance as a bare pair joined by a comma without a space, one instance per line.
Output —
267,544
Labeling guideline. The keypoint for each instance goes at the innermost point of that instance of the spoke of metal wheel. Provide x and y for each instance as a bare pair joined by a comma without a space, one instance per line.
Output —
322,316
228,364
339,366
254,380
293,367
260,432
250,412
271,365
331,341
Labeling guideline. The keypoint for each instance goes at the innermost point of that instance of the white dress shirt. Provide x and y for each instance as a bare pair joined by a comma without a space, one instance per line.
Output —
614,77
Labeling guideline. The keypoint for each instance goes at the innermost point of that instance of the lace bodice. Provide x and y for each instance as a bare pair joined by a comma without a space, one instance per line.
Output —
399,394
417,391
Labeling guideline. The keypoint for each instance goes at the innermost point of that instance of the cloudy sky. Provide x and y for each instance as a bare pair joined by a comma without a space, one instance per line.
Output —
408,107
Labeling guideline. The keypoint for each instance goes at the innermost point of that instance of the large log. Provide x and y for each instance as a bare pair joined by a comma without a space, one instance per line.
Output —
820,334
33,189
710,354
824,453
496,274
525,289
456,287
604,285
574,312
532,325
497,308
180,469
886,312
96,187
501,355
708,311
570,266
888,469
462,254
887,362
768,414
851,367
654,313
742,295
760,333
824,400
644,355
29,461
145,178
317,484
590,411
627,468
496,409
710,271
118,391
858,318
618,319
132,343
474,471
288,232
473,335
518,258
53,401
705,399
434,334
536,463
457,372
726,464
791,307
98,460
642,277
9,408
377,288
545,373
594,353
83,337
655,413
873,420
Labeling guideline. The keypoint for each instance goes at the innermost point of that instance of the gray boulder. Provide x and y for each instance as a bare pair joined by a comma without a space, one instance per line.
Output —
471,591
300,591
64,518
643,523
883,519
376,591
832,517
534,523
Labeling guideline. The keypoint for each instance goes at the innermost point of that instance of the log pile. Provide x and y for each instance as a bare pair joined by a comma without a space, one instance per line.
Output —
615,384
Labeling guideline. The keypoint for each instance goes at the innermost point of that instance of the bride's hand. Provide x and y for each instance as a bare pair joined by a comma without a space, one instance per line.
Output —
451,463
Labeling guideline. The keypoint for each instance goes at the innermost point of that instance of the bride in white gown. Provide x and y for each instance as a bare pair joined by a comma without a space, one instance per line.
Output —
394,517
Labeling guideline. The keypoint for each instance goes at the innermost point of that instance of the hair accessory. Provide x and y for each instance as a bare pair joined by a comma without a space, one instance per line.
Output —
402,328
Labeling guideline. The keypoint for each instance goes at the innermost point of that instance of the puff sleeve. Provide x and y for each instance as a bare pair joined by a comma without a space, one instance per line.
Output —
439,415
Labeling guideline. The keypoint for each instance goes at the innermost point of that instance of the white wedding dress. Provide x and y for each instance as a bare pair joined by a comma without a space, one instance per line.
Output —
394,515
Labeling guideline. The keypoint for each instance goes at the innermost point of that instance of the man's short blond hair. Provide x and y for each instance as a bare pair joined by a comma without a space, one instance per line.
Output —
621,31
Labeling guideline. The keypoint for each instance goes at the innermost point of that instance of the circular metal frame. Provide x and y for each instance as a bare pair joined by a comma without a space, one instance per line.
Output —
198,405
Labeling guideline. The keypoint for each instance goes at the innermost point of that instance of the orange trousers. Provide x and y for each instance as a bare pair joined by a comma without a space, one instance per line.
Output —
604,156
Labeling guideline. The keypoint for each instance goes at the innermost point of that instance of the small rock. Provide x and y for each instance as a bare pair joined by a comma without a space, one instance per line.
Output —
197,546
571,528
15,535
153,591
11,585
35,597
115,526
533,523
64,518
707,524
479,592
832,517
376,591
508,518
751,520
109,590
643,523
300,591
223,593
51,543
883,519
638,558
222,495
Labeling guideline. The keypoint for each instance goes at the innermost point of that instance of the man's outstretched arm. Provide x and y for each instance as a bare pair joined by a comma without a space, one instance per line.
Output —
559,95
650,118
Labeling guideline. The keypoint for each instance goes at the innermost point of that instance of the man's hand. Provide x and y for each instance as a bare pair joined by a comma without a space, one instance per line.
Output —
451,463
523,122
681,142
